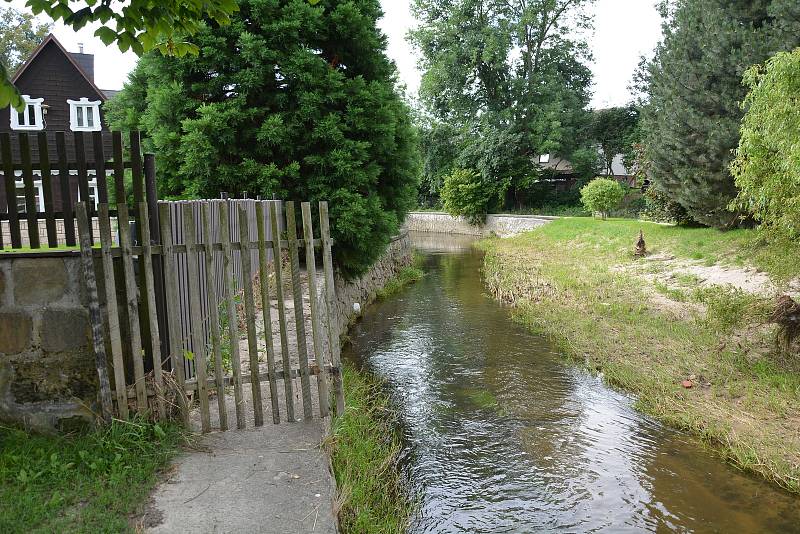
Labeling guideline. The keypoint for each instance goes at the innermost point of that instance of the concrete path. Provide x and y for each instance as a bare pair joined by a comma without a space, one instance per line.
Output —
272,480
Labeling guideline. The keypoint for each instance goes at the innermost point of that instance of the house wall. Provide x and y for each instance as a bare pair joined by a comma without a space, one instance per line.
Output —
48,379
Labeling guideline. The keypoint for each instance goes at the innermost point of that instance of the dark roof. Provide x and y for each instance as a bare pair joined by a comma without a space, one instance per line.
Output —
110,93
70,57
85,62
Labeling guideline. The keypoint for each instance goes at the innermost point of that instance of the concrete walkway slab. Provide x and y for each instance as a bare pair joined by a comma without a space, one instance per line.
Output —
273,479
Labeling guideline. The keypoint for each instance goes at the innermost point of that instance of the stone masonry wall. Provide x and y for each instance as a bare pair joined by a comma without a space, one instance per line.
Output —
363,289
47,376
500,225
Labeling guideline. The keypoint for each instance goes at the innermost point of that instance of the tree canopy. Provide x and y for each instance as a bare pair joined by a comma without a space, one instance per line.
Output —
289,99
510,77
20,34
694,88
767,164
138,25
614,130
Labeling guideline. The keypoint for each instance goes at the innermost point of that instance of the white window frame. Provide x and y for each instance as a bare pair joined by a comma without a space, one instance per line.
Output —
38,117
20,184
94,191
544,158
85,105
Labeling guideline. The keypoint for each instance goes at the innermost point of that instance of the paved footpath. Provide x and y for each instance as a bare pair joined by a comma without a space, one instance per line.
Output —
274,479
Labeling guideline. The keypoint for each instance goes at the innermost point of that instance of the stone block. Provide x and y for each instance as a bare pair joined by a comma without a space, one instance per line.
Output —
39,281
63,330
2,284
15,332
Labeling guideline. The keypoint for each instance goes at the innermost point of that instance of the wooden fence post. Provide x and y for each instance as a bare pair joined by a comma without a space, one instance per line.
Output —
87,261
330,299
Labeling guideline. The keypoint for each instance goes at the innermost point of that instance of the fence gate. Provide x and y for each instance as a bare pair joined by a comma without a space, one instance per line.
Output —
231,345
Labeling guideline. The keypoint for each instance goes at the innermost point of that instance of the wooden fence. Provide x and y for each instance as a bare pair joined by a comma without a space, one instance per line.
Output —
286,354
55,172
176,216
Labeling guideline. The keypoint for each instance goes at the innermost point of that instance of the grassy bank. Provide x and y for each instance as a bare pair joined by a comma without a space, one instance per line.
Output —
649,329
89,482
364,447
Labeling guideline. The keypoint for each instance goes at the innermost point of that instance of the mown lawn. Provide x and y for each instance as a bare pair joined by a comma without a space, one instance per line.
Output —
90,482
577,281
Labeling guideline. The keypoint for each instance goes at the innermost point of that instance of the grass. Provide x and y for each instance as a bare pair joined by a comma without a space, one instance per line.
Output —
577,282
407,275
88,482
364,447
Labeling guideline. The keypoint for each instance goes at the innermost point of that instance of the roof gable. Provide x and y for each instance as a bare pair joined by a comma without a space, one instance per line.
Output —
51,41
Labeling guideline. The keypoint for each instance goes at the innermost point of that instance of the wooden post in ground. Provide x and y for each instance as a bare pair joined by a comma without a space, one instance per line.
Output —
87,261
316,327
266,312
276,261
330,300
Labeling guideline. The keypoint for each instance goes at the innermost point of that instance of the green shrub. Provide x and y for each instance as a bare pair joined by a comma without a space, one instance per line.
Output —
602,195
661,208
465,194
767,166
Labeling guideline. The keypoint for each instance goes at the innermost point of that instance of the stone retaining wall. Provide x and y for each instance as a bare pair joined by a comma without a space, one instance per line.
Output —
362,291
47,376
500,225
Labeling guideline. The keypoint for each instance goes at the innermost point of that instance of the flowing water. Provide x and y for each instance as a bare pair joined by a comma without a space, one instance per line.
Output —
502,435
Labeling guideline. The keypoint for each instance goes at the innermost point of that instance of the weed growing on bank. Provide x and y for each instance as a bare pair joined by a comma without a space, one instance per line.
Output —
87,482
364,446
406,276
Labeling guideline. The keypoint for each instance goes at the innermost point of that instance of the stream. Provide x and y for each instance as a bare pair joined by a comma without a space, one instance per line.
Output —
502,434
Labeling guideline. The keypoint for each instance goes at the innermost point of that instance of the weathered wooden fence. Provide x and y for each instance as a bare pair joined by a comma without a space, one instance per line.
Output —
266,358
176,216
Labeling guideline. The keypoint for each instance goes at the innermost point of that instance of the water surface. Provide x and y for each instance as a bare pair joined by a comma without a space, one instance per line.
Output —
502,435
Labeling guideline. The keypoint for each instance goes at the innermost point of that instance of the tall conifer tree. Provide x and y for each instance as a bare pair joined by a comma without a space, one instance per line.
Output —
293,100
694,84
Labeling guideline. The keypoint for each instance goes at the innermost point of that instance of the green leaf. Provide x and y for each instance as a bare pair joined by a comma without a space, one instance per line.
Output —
105,34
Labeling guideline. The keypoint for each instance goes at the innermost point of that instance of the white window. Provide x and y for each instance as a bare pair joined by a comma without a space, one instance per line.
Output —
544,158
38,192
84,115
93,192
30,118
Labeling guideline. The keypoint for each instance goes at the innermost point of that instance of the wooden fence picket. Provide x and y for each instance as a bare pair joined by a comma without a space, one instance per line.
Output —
316,327
250,317
216,347
277,264
330,300
192,253
149,289
299,316
112,311
233,327
30,195
47,189
266,311
171,289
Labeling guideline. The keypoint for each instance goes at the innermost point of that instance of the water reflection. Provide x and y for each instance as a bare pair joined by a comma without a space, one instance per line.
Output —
503,436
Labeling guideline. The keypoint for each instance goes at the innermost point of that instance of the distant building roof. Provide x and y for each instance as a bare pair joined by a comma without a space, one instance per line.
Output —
110,92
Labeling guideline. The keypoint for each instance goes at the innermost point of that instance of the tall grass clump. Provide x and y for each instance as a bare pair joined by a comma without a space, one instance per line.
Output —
365,447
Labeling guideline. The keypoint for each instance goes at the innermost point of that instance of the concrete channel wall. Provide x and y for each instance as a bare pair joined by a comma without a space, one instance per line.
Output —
500,224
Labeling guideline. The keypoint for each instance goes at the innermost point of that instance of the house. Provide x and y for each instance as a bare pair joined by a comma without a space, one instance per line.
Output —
559,171
60,95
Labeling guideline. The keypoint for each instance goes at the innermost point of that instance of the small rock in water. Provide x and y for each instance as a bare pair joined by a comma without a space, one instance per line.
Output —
357,307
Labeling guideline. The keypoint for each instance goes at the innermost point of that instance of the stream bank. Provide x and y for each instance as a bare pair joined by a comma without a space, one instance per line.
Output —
685,329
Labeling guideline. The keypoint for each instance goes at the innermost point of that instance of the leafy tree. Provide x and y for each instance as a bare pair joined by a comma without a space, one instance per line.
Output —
20,34
602,195
465,194
292,100
440,146
691,122
767,164
140,25
511,76
613,129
